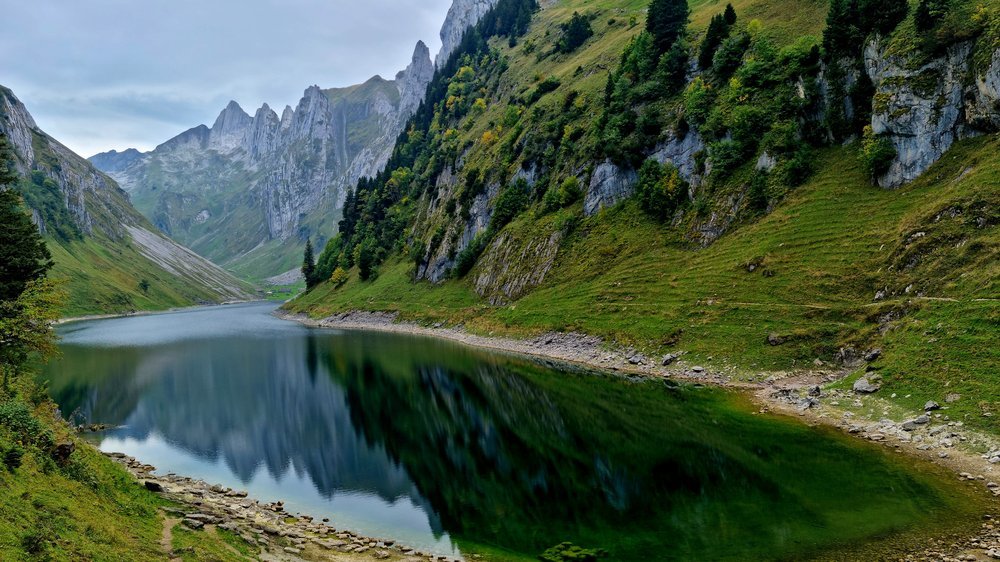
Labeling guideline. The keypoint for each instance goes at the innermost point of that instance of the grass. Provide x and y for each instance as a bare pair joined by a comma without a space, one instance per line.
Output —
90,509
820,257
103,277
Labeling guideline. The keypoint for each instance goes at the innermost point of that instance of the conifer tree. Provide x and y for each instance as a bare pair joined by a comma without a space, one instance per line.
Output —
666,21
23,255
717,31
729,15
309,265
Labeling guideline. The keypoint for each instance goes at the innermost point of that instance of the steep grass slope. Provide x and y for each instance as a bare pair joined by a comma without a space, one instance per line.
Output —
112,259
834,263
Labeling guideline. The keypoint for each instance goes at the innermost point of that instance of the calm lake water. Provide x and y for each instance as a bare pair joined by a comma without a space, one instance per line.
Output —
455,450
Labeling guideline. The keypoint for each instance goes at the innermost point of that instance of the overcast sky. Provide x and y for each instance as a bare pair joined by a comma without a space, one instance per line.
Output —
103,74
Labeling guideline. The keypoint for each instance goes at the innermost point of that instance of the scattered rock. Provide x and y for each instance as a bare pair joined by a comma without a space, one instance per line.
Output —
775,339
62,451
953,397
864,386
873,354
193,524
637,359
931,405
698,369
669,358
815,390
807,403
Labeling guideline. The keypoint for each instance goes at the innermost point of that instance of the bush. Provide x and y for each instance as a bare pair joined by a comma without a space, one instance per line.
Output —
12,457
574,33
16,416
660,189
726,156
339,277
509,204
467,258
877,153
729,56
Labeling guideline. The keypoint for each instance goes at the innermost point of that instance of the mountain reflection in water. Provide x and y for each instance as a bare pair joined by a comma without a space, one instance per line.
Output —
428,443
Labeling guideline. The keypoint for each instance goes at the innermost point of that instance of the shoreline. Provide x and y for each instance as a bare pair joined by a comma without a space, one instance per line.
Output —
938,440
71,319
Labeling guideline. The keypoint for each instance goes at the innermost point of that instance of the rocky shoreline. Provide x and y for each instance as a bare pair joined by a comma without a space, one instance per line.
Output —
930,435
279,535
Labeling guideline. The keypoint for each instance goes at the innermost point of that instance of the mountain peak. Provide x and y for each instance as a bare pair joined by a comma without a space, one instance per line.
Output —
229,128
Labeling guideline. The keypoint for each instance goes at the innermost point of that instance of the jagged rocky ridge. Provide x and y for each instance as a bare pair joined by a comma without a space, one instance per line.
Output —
264,179
98,208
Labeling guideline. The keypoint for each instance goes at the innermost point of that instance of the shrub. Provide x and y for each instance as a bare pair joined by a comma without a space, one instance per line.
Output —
575,32
511,201
729,56
467,257
12,457
726,156
877,153
339,276
660,189
567,552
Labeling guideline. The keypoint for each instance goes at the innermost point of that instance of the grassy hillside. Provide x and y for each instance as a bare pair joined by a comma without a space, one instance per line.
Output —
835,262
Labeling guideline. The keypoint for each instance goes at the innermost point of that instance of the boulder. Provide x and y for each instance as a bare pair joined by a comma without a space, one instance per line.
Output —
153,486
62,451
931,405
192,524
669,358
864,386
775,339
873,354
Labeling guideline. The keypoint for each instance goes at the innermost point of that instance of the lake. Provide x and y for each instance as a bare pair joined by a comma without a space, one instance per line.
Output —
456,450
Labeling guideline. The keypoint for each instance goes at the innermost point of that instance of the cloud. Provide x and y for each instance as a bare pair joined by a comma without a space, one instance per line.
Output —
109,74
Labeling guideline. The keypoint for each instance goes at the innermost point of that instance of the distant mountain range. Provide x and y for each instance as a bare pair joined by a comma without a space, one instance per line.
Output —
249,190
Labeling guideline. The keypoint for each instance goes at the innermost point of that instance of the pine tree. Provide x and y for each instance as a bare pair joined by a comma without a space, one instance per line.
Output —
309,265
842,36
729,15
929,13
718,30
666,21
881,16
23,255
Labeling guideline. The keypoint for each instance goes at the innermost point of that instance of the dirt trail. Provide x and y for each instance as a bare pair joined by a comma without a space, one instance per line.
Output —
167,539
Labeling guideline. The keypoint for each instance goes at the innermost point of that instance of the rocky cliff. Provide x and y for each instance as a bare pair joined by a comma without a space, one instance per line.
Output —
924,108
462,15
81,210
248,190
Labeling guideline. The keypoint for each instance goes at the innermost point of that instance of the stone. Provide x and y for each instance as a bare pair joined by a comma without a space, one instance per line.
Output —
953,397
775,339
815,390
873,354
637,359
864,386
698,369
153,486
193,523
931,406
62,452
669,358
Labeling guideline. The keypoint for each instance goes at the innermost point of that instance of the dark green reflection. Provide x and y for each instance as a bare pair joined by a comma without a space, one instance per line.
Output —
499,452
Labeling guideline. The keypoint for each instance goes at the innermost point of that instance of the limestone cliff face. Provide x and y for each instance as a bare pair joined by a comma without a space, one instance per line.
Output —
246,184
462,15
924,110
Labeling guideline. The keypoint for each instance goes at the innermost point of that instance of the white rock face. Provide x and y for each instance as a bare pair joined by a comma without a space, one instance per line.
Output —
412,82
277,170
924,111
609,184
462,15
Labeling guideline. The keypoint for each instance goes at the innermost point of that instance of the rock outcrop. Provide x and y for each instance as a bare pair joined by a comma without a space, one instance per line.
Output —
924,110
462,15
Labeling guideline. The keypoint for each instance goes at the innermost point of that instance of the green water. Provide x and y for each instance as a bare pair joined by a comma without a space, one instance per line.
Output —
455,450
